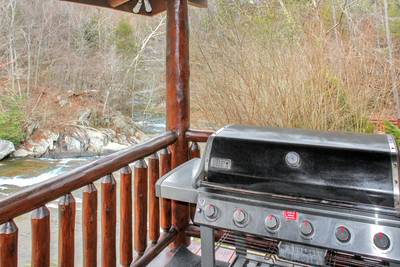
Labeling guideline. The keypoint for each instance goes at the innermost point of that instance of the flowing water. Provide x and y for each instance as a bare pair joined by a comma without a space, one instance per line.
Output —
19,174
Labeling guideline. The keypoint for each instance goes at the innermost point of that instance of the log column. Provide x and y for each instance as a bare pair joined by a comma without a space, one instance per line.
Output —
8,244
177,66
108,221
125,237
66,231
40,221
89,226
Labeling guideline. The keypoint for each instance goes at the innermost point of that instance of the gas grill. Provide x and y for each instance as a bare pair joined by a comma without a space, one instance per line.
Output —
291,197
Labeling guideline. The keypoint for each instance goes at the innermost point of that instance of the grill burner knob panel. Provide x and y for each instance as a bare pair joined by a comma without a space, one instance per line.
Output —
306,229
240,218
342,234
271,223
381,241
211,212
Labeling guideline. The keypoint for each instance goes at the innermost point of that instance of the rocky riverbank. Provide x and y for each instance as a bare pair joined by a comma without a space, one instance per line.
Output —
75,140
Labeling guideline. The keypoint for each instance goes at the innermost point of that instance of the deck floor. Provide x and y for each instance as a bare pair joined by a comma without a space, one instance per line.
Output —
221,254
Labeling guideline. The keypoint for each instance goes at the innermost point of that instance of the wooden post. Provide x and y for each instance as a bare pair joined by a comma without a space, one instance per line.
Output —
8,244
40,221
140,207
89,226
66,231
108,221
154,207
125,235
178,109
194,153
165,166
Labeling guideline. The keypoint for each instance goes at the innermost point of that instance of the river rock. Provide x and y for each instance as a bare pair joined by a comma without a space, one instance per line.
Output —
72,144
22,153
113,147
6,148
97,141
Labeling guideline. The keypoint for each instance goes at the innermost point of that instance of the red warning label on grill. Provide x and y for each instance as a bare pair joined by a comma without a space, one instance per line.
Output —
290,215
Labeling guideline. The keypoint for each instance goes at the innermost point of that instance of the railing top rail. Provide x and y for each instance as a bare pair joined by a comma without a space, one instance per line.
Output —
198,135
36,196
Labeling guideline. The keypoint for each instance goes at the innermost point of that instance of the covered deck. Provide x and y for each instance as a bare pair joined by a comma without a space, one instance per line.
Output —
151,230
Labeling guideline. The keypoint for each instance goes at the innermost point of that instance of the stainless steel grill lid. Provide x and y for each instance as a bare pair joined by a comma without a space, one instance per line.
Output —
339,167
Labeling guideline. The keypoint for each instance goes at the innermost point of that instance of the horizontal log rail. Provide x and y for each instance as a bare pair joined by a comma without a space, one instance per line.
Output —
37,196
198,135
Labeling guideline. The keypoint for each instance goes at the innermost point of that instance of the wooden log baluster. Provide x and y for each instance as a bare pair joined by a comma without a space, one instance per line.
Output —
8,244
66,230
165,166
89,226
194,152
125,235
108,221
140,207
154,207
40,221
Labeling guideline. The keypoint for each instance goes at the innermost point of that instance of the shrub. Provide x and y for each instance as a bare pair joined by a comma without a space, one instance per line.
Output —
124,39
287,69
392,129
11,122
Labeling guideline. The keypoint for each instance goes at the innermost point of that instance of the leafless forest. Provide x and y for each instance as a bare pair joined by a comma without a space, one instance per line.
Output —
323,64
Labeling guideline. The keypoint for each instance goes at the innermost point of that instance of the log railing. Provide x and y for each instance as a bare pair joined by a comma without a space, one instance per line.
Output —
35,198
133,219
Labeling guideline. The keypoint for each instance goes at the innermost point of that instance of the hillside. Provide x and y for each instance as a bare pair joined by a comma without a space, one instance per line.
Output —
329,65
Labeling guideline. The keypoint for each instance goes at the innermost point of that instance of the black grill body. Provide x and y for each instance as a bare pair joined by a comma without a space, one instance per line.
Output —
351,169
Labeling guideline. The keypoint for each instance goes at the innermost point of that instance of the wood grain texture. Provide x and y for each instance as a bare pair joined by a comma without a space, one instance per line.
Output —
8,244
89,226
125,235
154,207
38,195
66,231
198,135
140,206
178,107
40,222
165,204
108,221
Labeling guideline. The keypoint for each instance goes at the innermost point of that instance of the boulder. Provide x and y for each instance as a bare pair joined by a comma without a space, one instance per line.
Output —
6,148
72,144
22,153
97,141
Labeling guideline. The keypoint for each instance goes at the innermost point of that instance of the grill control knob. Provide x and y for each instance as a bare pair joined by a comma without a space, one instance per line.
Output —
381,241
306,228
210,211
271,223
240,217
342,234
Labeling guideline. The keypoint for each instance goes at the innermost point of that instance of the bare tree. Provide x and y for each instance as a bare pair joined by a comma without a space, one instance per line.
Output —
390,59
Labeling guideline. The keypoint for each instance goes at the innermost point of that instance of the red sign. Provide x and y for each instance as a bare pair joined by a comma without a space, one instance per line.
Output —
290,215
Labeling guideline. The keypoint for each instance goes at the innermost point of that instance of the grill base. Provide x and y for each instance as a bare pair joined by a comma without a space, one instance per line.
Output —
257,251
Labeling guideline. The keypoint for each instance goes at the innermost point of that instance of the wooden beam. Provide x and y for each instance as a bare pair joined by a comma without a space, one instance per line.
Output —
158,6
